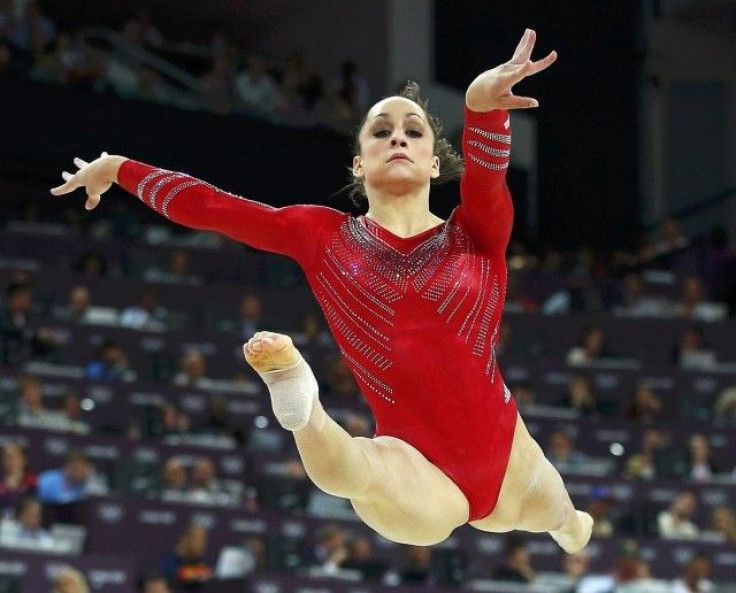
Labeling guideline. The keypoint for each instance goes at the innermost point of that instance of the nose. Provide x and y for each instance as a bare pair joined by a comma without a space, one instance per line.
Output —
398,139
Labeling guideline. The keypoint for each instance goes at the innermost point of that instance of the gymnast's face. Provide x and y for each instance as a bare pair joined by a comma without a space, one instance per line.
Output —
396,148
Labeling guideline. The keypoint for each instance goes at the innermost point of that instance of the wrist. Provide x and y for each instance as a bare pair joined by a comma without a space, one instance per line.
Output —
112,164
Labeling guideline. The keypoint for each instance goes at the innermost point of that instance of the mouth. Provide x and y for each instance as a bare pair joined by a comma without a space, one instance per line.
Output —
399,156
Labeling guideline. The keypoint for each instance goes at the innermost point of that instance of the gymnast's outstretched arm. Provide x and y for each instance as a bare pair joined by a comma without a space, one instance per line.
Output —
486,206
293,230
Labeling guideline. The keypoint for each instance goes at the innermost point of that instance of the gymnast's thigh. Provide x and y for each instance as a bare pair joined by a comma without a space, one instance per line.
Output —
519,483
409,500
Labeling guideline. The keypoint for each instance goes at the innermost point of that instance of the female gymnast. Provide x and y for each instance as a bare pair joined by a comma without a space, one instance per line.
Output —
414,303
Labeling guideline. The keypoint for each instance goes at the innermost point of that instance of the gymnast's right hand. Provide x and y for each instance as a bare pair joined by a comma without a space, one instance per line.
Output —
95,177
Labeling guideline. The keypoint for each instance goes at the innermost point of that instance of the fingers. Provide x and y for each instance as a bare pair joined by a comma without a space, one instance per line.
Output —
514,102
80,163
92,201
542,64
524,50
68,187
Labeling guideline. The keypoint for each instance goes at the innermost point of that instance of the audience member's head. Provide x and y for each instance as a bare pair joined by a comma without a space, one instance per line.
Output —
174,475
15,461
70,580
18,298
77,467
31,393
155,583
684,504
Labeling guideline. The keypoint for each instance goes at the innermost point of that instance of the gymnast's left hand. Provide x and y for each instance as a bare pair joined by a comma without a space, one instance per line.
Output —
493,88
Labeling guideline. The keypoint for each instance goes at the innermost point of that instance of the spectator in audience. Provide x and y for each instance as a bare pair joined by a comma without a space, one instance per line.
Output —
725,408
71,410
257,91
360,557
341,383
692,353
517,300
524,394
217,87
516,566
142,31
700,466
331,549
73,482
31,410
26,530
590,348
599,507
91,263
204,487
31,31
562,453
193,371
301,88
70,580
418,566
312,332
19,340
155,583
723,523
335,113
580,397
78,306
174,481
646,406
148,315
218,421
173,421
695,579
251,317
676,522
109,364
151,88
575,567
187,565
236,562
352,88
177,272
693,305
16,478
643,465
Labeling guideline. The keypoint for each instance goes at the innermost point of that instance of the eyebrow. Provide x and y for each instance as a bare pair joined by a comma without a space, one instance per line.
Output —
405,116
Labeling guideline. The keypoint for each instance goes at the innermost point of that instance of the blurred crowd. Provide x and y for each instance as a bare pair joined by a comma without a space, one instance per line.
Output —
218,77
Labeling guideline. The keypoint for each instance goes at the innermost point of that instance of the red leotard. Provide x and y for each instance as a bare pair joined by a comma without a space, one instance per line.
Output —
416,318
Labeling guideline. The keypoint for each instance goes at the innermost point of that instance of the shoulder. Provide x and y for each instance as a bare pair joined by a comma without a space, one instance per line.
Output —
316,217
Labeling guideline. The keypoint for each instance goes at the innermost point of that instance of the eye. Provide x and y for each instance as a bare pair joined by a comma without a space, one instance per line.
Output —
381,133
414,134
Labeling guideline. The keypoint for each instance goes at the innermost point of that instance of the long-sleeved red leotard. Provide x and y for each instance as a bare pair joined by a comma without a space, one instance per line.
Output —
416,318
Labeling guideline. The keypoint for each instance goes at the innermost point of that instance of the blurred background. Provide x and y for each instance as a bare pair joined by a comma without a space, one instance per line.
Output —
120,333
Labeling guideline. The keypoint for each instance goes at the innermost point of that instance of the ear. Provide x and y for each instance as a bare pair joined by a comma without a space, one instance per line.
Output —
357,166
435,173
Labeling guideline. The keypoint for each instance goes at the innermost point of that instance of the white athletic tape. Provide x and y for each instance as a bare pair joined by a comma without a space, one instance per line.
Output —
293,391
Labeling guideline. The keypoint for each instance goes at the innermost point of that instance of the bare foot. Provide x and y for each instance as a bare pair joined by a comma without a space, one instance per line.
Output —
268,351
579,534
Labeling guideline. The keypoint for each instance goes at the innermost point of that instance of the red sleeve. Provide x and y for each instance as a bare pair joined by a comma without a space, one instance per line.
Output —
485,201
293,230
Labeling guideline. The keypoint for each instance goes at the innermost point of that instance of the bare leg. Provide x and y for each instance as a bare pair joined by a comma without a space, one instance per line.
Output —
533,498
392,486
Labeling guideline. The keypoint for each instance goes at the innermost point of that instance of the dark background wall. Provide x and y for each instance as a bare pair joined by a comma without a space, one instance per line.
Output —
588,121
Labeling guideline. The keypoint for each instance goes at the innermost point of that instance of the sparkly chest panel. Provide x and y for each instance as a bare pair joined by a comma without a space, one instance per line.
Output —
362,281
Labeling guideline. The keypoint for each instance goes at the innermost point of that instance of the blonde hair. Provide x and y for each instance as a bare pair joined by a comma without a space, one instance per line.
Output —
73,574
